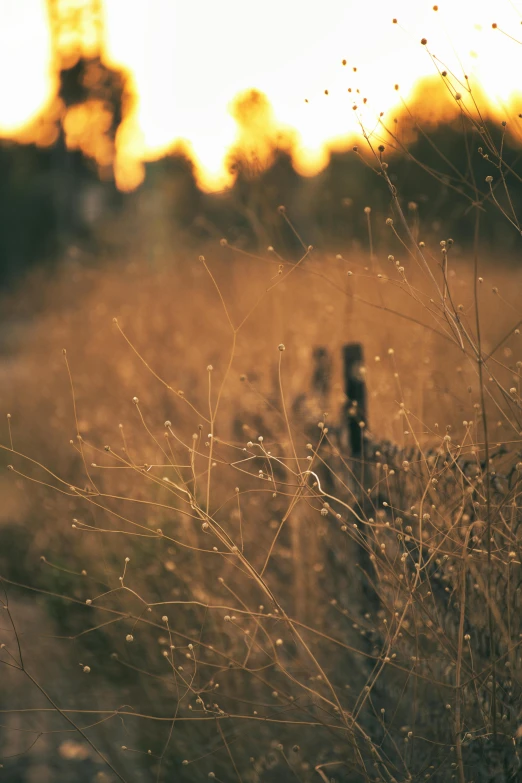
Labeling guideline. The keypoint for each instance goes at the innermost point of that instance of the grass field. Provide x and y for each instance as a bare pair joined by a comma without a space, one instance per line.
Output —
201,579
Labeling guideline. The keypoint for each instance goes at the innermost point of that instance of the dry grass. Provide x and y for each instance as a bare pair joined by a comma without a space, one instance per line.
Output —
205,573
271,622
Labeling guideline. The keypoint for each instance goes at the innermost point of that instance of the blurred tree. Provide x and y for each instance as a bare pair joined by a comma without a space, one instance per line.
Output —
53,197
94,98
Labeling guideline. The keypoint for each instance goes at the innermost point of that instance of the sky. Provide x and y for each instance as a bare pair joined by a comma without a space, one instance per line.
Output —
189,60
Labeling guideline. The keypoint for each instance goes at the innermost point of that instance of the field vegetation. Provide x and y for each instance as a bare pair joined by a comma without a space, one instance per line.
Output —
261,515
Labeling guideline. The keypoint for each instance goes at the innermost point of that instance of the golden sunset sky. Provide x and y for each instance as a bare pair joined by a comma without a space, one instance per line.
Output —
189,60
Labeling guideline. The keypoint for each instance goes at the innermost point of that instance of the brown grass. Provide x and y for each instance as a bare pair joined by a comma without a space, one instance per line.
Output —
312,668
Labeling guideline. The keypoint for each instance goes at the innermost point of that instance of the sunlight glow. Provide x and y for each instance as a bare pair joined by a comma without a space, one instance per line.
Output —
27,83
188,63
